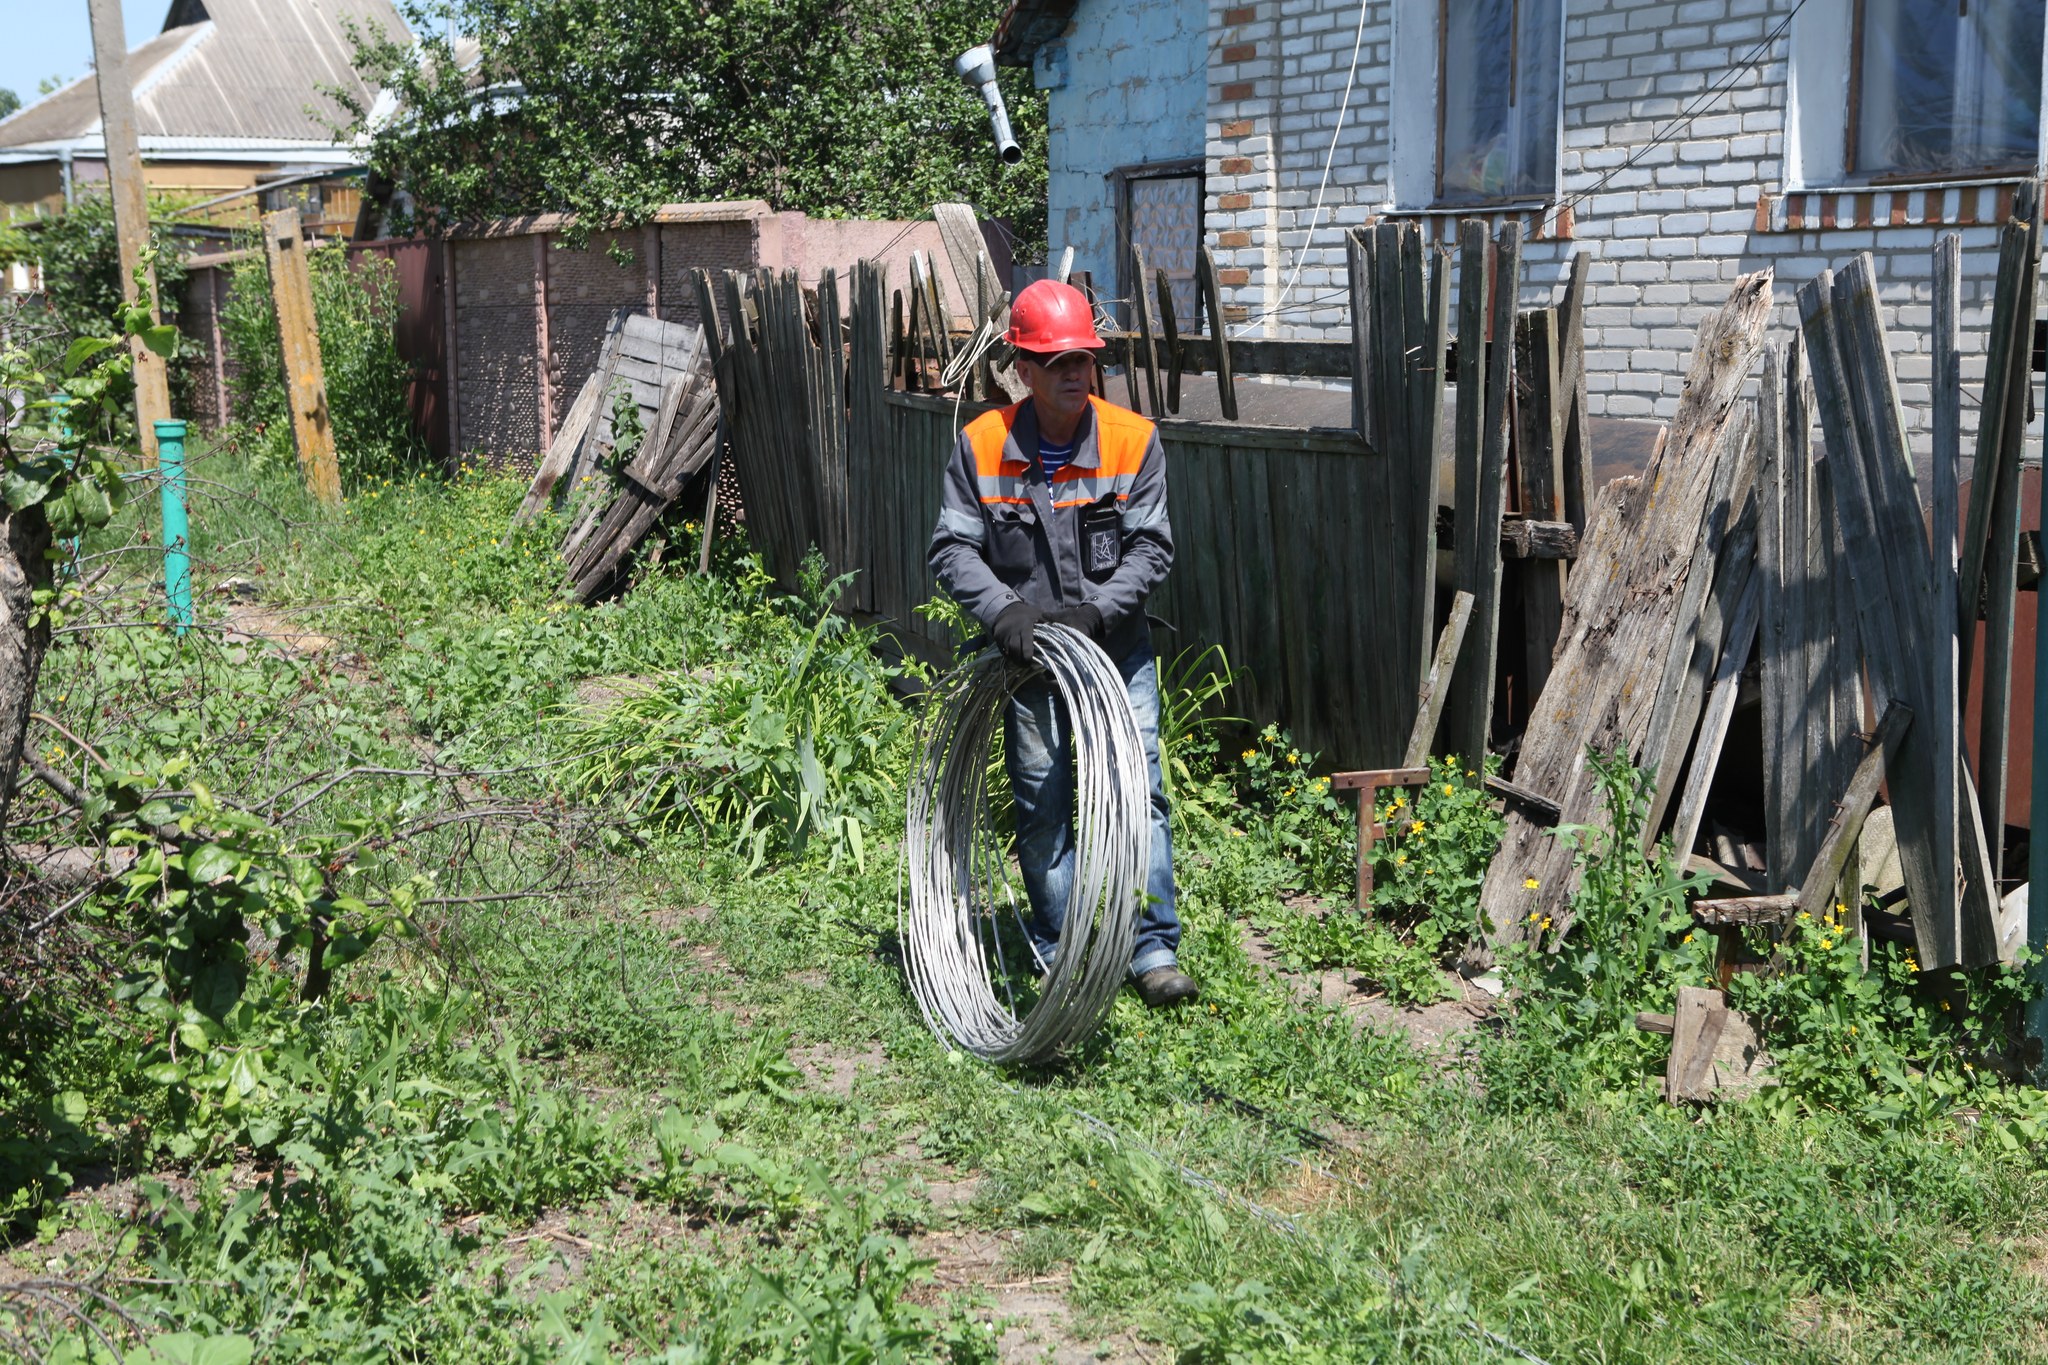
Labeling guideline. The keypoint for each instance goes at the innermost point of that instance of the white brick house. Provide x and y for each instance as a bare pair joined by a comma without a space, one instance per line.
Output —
1680,144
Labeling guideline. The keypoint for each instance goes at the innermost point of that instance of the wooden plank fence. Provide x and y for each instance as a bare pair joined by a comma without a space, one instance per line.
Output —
1307,554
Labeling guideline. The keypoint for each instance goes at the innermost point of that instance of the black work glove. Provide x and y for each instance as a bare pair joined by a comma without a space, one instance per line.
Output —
1013,628
1086,618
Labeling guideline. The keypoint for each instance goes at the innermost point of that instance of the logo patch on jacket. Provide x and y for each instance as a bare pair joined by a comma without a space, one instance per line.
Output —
1104,548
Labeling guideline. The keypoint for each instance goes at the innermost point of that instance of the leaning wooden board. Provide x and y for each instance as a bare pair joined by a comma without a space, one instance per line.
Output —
1624,593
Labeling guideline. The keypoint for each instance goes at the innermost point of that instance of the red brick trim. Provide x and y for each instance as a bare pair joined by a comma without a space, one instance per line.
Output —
1235,91
1925,206
1240,52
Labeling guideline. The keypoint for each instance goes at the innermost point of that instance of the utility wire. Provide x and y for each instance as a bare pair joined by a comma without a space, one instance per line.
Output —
1329,159
1684,120
957,897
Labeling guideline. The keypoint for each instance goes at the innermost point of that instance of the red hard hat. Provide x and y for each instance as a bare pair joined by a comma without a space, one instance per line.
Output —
1050,317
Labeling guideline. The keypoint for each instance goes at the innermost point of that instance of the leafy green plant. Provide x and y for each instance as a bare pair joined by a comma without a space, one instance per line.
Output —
1341,937
355,308
1628,948
1276,777
1192,686
787,746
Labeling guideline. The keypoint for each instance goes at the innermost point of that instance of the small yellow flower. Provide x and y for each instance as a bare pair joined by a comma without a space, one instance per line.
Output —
1686,939
1806,914
1294,755
1400,860
1546,921
1535,915
1531,883
1470,773
1290,791
1247,755
1944,1004
1852,1030
1826,944
1400,801
1448,789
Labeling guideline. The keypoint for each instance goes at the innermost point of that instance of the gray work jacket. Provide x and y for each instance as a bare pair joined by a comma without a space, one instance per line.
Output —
1098,534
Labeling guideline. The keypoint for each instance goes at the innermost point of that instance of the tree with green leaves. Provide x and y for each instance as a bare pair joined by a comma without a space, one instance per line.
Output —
9,101
610,108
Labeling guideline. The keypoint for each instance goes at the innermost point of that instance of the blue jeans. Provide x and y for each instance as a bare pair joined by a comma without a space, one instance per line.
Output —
1038,749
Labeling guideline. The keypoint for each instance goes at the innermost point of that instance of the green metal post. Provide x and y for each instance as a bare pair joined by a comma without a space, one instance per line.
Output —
170,463
2037,849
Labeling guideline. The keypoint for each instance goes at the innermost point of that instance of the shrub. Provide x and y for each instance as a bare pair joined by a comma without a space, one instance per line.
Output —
355,307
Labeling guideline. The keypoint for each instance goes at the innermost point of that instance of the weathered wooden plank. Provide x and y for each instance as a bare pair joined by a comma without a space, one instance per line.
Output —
1148,344
2002,405
1878,518
2000,557
1620,601
1426,407
1781,668
1817,891
1571,395
1365,415
555,463
1541,466
1721,564
1467,715
1435,684
1220,346
291,288
1170,325
1720,709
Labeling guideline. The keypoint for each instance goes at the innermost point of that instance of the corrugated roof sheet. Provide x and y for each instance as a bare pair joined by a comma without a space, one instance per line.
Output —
253,69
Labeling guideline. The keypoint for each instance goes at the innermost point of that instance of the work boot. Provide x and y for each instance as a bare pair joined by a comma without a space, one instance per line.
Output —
1163,986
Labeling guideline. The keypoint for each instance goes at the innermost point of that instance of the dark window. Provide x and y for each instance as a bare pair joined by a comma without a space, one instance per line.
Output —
1159,211
1944,87
1497,99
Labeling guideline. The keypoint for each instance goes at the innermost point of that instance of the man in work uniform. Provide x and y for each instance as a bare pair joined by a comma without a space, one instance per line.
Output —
1055,510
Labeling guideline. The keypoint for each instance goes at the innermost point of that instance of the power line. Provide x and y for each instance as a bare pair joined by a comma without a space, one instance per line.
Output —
1748,63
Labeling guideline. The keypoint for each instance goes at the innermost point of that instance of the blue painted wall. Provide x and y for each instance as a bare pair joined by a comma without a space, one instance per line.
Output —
1128,84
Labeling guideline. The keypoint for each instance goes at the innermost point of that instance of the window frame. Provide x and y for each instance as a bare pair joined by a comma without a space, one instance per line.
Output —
1438,198
1194,168
1852,128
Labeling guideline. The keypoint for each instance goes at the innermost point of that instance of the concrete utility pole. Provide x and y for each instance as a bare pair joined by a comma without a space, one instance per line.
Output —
131,205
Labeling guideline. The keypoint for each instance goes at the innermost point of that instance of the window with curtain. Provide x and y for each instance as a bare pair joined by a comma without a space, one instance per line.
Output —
1944,87
1497,99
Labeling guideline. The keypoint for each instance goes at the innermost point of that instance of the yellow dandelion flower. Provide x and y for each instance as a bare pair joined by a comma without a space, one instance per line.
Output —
1531,883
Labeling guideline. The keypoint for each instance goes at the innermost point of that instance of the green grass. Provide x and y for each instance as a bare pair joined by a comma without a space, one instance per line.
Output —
581,1126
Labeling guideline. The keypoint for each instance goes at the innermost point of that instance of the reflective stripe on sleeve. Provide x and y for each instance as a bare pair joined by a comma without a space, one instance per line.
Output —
965,525
1143,518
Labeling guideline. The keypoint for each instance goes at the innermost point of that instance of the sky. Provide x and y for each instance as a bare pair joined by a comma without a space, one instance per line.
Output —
54,38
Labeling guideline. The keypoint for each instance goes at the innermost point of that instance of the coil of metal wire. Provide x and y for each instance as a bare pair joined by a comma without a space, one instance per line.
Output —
970,961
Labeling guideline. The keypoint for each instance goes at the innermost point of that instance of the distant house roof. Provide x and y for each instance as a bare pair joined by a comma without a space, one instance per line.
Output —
226,79
1028,25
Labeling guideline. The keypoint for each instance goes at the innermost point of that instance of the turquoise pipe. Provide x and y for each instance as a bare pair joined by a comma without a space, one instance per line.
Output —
170,465
2037,847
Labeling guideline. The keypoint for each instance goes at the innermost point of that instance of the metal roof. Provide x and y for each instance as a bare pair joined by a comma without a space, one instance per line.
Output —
224,71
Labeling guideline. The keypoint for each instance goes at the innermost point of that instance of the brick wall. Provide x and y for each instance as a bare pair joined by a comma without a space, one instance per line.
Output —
1128,86
1669,214
529,313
